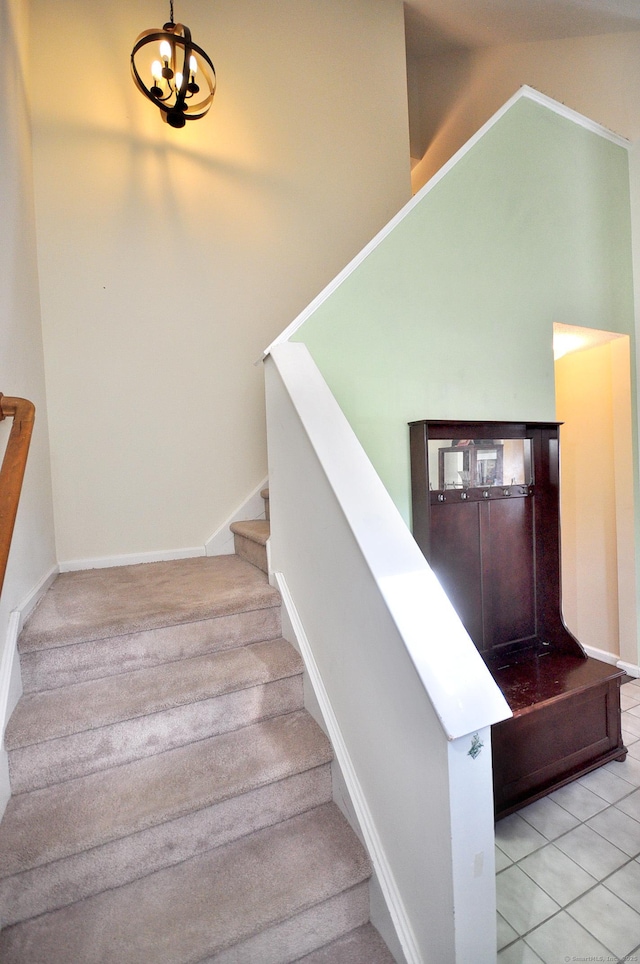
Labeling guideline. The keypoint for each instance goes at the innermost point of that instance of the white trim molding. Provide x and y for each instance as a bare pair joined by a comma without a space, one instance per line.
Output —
601,654
9,669
32,598
218,544
17,619
372,840
221,542
132,559
9,654
630,668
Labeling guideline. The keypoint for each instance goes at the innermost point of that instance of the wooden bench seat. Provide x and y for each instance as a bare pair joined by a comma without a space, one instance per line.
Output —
486,515
566,721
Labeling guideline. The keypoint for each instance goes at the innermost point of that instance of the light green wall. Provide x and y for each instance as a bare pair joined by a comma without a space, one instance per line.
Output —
451,315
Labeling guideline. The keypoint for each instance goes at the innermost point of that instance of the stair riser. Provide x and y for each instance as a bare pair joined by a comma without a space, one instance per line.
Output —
306,932
54,761
253,552
48,668
56,884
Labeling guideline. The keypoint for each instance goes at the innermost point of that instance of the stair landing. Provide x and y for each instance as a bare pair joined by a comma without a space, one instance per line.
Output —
96,603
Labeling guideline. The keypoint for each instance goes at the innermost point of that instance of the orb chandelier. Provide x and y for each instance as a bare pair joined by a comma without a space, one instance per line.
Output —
173,72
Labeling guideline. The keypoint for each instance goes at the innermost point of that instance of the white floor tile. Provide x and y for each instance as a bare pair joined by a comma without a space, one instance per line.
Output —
516,837
607,785
506,933
591,851
549,818
521,902
578,800
519,953
574,892
629,698
619,829
609,919
557,874
631,805
502,861
563,939
628,769
626,884
630,724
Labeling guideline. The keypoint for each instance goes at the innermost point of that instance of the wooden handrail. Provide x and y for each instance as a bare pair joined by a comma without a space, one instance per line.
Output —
13,466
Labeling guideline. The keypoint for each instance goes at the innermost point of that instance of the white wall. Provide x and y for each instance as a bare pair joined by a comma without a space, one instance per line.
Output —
169,259
32,554
597,76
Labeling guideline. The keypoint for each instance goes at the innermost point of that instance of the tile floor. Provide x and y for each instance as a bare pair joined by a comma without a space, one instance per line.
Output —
568,866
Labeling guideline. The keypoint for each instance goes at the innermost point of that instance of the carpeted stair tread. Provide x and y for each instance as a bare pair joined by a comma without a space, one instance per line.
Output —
59,665
196,910
181,811
96,703
77,755
62,882
52,823
99,603
250,540
256,530
360,946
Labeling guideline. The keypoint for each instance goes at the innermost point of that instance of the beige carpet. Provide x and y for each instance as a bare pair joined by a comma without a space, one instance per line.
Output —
172,797
105,602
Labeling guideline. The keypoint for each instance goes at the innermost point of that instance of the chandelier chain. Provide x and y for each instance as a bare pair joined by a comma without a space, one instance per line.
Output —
171,11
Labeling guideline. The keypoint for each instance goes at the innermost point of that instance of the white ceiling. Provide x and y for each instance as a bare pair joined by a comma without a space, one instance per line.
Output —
433,25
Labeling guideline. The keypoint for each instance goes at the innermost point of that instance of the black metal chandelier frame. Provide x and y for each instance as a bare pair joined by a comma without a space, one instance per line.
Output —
174,89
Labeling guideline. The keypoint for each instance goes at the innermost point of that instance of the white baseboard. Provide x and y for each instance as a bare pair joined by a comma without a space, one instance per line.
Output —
16,621
221,542
32,598
9,654
10,682
383,872
601,654
630,668
131,559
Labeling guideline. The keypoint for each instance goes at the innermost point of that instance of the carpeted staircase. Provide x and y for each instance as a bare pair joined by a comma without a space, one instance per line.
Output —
171,796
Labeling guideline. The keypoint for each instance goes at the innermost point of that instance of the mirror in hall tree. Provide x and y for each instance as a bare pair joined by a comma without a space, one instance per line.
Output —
478,463
470,462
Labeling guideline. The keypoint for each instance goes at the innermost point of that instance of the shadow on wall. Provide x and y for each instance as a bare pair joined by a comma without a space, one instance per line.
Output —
435,84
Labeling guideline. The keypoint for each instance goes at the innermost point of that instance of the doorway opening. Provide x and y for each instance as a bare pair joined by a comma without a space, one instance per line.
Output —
593,400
